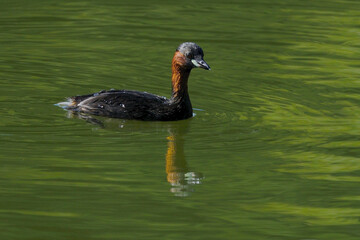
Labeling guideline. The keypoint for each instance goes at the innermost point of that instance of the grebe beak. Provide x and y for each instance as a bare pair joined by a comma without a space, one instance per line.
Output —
200,64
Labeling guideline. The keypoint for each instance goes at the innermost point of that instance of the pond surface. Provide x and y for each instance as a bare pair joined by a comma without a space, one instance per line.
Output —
272,153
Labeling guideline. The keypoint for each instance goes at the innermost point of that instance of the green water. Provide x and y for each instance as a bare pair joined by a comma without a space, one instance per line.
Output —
272,153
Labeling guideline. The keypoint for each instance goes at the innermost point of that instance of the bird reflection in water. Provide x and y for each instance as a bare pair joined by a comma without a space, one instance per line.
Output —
181,179
177,171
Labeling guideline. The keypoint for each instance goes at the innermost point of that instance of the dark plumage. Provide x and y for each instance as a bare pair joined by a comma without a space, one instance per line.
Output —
127,104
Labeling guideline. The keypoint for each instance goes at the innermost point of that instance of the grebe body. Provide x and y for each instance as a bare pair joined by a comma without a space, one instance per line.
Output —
128,104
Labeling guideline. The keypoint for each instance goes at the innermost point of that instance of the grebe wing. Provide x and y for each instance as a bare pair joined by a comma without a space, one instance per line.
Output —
119,103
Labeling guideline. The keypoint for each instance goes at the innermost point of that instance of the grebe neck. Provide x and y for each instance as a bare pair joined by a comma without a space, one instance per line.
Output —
180,76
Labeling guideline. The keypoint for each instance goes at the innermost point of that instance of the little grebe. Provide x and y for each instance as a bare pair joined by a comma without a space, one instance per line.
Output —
128,104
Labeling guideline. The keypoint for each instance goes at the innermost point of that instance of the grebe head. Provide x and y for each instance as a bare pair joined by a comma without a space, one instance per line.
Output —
194,55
